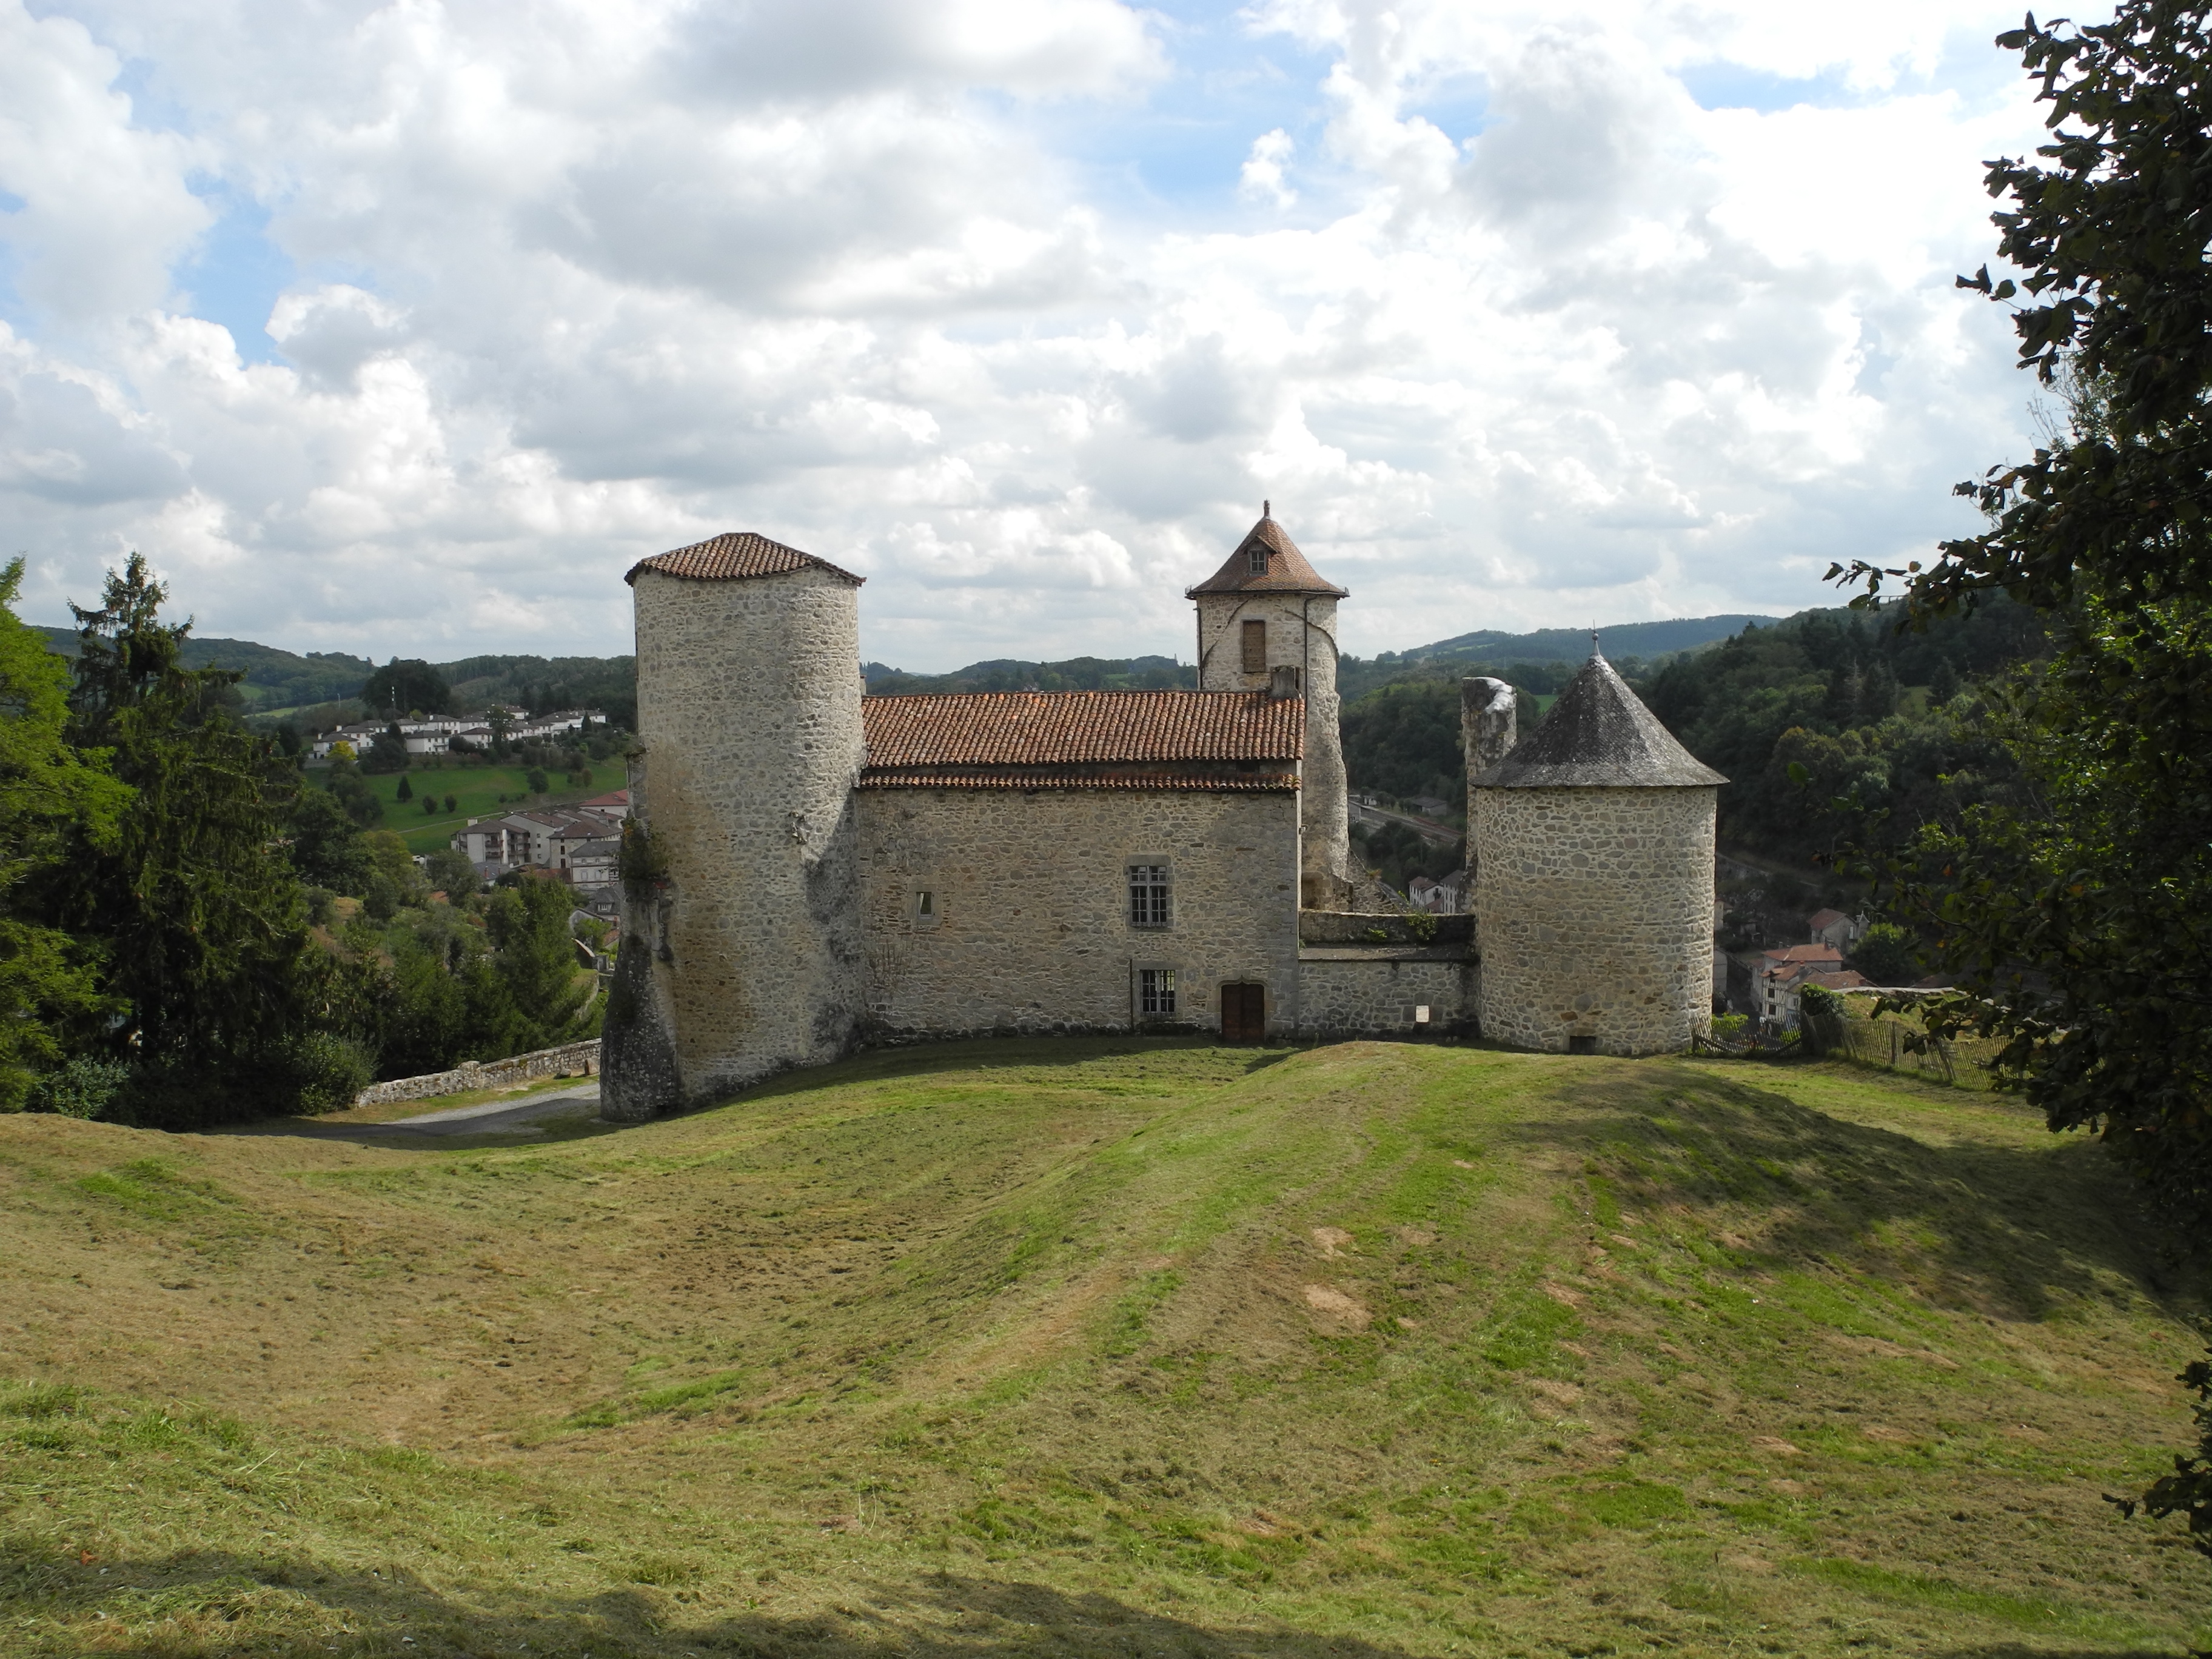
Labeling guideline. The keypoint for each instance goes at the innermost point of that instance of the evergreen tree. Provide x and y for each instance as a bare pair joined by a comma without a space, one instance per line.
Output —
538,962
202,919
405,792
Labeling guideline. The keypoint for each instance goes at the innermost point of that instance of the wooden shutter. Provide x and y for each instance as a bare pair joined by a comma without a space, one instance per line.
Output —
1255,647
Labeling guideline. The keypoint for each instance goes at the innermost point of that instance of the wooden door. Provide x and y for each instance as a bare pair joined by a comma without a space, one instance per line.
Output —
1244,1013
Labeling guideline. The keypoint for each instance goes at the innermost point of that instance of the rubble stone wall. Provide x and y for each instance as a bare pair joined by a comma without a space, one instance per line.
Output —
749,718
1029,927
570,1059
1346,997
1301,635
1595,917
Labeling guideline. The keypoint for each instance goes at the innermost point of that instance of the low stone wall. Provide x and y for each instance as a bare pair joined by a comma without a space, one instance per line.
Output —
1349,992
571,1059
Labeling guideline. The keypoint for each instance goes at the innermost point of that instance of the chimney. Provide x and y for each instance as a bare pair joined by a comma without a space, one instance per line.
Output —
1485,732
1282,681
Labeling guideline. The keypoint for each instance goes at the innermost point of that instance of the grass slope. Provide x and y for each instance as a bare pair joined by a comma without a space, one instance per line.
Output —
475,790
1101,1348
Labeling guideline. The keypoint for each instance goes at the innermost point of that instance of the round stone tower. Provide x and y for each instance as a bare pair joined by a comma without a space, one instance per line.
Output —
741,952
1594,894
1267,620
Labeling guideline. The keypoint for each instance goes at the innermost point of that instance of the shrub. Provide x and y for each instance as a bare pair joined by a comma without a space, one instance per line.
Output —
320,1073
88,1087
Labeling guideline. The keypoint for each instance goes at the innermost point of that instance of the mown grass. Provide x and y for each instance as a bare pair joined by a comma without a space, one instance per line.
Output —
1103,1348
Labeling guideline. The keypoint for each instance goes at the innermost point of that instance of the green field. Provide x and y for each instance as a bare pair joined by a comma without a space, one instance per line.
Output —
1103,1348
475,790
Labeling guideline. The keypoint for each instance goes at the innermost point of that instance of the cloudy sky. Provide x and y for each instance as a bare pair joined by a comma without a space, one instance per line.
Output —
405,328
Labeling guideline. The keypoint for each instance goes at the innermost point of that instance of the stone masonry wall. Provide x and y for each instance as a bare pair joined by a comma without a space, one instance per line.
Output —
1032,929
748,717
1301,635
1594,916
570,1059
1348,996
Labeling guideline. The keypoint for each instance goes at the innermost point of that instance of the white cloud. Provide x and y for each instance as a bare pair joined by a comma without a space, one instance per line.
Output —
1535,337
1262,176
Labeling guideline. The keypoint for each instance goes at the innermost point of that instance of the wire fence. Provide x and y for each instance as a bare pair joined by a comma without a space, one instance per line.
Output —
1851,1028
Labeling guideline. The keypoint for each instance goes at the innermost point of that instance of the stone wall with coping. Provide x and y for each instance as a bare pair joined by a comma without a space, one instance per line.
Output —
1346,993
1301,635
749,721
1030,928
570,1059
1594,916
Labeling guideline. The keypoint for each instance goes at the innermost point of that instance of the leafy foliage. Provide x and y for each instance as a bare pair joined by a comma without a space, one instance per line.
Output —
411,686
2080,921
56,803
2077,917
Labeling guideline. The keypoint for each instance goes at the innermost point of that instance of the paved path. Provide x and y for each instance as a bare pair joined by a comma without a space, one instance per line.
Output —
493,1117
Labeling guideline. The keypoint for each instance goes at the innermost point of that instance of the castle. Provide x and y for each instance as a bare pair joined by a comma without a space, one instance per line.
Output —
810,871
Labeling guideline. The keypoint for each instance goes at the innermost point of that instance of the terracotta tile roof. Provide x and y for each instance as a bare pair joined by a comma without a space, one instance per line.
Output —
735,556
1803,953
1820,919
1287,570
1074,728
963,777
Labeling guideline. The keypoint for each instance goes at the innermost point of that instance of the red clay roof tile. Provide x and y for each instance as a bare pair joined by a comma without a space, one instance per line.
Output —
1287,570
960,777
735,556
1063,728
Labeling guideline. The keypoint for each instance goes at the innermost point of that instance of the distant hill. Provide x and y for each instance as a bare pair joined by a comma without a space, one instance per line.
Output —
1010,674
274,679
278,680
1645,639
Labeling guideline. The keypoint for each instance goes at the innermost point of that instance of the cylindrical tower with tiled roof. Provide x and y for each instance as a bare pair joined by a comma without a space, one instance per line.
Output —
1593,843
741,953
1265,612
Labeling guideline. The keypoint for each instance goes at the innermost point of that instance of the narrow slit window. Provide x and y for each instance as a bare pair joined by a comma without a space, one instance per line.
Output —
1156,990
1255,647
1148,896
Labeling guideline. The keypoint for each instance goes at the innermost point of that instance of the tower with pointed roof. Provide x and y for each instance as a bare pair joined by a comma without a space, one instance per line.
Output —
1593,852
1267,620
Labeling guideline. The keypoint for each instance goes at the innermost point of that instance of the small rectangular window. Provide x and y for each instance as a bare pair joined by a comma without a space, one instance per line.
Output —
1156,990
1255,647
1148,896
925,908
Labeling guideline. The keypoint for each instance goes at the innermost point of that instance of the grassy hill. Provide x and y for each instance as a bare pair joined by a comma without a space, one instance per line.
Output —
1101,1348
478,792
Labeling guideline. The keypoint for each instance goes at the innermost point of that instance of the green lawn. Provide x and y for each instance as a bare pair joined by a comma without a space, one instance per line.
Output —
475,790
1104,1348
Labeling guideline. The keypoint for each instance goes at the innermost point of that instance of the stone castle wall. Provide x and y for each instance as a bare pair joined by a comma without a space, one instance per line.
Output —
749,718
1030,929
1346,992
1594,916
1301,635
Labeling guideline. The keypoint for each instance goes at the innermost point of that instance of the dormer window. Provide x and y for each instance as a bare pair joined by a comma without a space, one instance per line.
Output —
1259,559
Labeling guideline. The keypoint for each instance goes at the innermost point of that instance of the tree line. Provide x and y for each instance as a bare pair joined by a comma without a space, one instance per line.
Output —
173,946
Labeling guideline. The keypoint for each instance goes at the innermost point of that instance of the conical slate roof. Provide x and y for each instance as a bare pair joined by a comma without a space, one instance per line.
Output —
1599,735
1286,571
